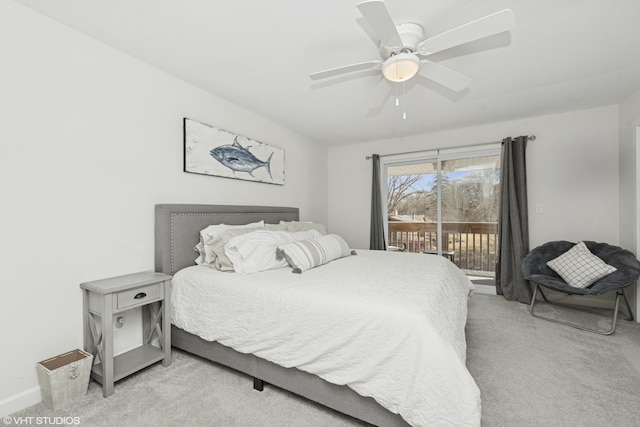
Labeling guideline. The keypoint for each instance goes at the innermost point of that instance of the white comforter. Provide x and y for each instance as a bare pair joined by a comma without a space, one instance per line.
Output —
388,325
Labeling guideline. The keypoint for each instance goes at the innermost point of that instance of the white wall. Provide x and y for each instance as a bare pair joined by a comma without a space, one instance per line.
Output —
629,237
90,140
572,170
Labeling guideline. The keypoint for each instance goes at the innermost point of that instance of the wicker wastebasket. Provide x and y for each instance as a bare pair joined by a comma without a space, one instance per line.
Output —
64,378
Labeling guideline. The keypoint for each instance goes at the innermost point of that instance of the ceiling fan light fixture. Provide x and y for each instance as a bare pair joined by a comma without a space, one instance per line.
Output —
401,67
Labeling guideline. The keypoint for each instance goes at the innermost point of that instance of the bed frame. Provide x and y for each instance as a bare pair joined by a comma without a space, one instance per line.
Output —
177,228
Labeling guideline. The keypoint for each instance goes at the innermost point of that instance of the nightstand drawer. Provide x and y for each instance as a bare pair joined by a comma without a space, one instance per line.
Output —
138,296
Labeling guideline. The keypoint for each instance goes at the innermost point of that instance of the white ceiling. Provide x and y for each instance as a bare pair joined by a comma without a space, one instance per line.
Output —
562,55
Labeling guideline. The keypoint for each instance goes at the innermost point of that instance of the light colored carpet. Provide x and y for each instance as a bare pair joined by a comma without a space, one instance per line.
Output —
530,373
537,373
192,392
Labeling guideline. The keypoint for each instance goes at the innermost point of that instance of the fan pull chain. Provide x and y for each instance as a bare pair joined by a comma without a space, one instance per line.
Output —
397,95
404,101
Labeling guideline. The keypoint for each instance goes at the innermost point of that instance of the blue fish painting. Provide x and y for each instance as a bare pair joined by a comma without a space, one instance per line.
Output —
239,159
212,151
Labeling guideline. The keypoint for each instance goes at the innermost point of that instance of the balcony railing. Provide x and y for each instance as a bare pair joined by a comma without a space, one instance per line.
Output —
472,245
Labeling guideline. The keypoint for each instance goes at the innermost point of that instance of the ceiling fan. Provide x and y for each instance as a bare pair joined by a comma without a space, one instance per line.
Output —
404,51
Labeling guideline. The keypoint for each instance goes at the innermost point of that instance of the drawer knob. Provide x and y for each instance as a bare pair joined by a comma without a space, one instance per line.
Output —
140,295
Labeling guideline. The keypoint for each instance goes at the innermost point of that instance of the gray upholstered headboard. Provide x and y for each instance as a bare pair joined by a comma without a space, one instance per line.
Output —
177,228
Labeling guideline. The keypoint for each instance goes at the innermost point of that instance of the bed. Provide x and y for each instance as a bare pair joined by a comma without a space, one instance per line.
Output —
436,387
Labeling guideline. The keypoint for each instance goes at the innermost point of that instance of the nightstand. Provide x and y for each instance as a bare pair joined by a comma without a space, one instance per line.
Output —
102,300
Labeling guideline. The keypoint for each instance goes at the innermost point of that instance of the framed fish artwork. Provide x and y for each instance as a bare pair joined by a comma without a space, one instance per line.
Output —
217,152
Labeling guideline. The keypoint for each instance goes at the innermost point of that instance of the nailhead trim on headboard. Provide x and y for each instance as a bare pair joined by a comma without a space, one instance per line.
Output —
173,215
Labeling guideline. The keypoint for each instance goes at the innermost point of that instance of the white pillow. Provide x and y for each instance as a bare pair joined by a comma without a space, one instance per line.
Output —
579,267
303,226
216,246
199,248
308,254
207,235
256,251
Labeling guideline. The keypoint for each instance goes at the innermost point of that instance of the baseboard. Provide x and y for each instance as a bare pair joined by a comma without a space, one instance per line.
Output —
20,401
485,289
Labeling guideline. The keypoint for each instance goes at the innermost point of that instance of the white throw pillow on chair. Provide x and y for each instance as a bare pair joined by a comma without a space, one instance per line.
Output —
579,267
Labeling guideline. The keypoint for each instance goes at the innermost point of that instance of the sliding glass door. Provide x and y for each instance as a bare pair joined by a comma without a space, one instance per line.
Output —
446,205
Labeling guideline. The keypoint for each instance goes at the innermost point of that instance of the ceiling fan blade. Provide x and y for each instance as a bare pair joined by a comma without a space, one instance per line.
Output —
381,93
444,76
495,23
377,15
369,65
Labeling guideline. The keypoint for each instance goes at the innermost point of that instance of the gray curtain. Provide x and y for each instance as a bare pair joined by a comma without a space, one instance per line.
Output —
377,239
513,222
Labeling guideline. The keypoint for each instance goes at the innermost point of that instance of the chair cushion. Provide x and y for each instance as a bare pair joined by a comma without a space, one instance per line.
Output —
579,267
